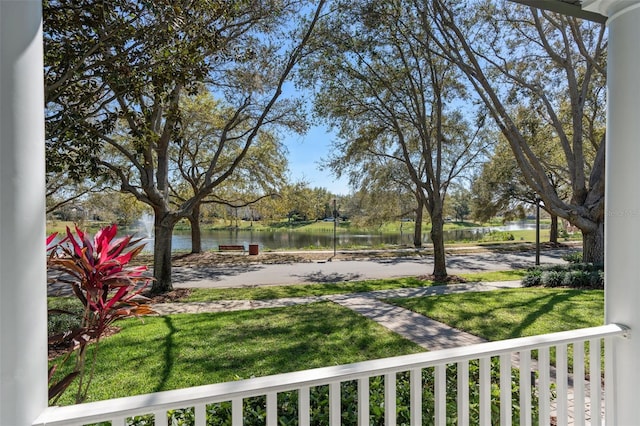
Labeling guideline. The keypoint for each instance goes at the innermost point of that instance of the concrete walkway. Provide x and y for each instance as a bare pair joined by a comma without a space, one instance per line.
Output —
426,332
431,335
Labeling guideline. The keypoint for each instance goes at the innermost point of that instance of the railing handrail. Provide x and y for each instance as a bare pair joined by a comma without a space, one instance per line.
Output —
308,378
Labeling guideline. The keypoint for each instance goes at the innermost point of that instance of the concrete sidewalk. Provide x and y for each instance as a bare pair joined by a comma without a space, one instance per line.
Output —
429,334
426,332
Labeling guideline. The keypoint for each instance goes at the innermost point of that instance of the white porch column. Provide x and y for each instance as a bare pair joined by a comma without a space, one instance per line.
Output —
622,223
23,317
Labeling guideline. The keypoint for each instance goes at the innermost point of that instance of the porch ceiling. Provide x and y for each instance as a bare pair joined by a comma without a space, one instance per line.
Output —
566,7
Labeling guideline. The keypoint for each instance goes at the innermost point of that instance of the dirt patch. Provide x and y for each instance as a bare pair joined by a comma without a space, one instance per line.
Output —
172,296
451,279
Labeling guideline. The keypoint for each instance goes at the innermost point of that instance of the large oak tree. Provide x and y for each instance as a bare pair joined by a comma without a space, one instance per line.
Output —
117,72
555,66
392,96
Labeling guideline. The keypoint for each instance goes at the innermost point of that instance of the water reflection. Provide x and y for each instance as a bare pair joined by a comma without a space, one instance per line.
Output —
296,240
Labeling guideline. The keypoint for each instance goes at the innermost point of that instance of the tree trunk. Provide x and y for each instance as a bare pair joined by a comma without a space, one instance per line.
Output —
593,245
417,230
553,232
163,231
196,233
437,238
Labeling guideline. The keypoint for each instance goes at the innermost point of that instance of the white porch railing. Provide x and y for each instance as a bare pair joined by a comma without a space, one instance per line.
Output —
473,382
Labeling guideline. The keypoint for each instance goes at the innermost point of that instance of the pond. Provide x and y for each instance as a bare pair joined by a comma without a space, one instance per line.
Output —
296,240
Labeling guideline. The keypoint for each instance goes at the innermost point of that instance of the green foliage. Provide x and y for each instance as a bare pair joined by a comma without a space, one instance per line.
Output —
498,236
64,314
96,270
574,275
532,278
254,409
552,278
574,257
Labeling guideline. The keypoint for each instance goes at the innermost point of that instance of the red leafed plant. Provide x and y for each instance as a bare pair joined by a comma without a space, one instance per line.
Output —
97,271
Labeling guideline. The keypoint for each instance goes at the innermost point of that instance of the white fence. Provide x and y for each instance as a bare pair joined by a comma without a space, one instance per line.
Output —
490,383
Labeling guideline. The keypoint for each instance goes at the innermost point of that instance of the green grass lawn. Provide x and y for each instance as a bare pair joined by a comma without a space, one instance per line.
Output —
178,351
506,314
511,313
304,290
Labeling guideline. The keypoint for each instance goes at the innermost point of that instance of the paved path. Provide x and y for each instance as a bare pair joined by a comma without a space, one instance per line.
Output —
426,332
350,270
259,274
429,334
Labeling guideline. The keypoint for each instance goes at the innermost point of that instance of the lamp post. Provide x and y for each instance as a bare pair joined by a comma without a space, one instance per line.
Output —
335,224
537,231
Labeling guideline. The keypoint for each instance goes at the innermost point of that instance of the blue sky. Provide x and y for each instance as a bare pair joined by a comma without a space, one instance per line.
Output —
305,153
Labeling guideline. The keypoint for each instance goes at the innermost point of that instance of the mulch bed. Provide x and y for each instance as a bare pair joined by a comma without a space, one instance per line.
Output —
451,279
168,297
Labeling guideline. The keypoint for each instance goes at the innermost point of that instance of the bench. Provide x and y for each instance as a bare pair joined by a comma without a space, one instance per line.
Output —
230,248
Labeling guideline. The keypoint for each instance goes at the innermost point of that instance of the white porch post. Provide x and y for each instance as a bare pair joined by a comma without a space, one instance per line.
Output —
23,317
622,223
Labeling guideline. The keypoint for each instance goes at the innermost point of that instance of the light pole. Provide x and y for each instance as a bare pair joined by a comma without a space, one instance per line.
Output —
537,231
335,224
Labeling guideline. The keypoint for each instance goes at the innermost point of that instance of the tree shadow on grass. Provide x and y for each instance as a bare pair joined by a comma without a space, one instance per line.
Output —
272,341
546,303
552,300
169,355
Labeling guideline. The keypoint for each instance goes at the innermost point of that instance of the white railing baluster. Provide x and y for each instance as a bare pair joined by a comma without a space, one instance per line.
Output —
363,401
390,399
334,404
595,382
440,393
463,393
544,386
237,415
272,409
158,404
160,418
562,377
416,397
200,411
119,421
578,383
485,391
505,389
525,387
609,396
304,406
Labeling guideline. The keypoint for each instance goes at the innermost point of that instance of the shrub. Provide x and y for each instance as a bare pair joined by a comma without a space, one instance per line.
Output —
576,279
64,314
597,279
577,275
254,409
551,278
573,257
532,279
96,269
